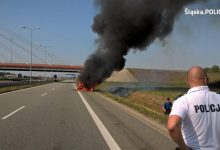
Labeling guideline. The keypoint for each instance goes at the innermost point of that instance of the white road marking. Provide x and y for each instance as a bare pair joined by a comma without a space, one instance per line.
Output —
44,94
105,133
13,113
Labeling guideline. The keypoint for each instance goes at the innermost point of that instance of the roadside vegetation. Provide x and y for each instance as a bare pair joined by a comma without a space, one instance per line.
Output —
213,69
146,101
148,98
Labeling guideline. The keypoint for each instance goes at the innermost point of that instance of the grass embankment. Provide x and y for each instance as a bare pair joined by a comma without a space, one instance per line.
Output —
150,101
19,87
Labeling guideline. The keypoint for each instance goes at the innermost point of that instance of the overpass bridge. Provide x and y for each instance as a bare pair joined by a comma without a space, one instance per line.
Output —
40,67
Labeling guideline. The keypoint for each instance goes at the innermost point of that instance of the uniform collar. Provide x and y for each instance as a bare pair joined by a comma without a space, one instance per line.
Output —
198,88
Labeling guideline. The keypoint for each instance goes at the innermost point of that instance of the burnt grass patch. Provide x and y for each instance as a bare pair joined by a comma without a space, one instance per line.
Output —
146,98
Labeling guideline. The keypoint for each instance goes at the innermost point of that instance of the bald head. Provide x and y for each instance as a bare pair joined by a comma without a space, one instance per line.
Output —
196,76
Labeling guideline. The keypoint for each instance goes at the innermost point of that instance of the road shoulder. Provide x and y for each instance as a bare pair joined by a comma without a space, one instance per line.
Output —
141,117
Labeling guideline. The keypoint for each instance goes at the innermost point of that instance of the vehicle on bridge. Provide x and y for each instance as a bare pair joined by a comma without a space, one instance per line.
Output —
55,78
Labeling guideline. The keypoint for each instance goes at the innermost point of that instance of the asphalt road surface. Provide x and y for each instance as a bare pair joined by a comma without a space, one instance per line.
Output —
57,117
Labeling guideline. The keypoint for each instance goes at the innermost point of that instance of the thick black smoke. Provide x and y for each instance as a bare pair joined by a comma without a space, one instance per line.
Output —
127,24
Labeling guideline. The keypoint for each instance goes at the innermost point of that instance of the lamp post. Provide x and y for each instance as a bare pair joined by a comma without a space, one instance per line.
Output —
45,60
31,30
11,49
45,63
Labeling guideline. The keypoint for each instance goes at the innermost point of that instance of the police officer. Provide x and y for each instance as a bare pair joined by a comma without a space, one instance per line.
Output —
194,121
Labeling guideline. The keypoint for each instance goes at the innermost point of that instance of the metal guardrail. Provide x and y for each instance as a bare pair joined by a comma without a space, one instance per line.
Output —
16,83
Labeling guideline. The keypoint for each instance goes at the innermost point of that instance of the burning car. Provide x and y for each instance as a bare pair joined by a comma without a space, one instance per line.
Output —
81,87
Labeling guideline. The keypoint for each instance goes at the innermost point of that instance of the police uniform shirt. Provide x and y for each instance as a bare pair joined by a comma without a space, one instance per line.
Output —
200,113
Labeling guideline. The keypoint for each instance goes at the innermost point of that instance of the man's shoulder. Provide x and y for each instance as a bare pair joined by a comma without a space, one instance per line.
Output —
180,99
179,96
218,93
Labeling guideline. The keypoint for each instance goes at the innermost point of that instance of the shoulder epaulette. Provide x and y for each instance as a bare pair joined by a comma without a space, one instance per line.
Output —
178,96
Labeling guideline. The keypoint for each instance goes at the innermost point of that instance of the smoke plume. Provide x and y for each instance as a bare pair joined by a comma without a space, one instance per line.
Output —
123,25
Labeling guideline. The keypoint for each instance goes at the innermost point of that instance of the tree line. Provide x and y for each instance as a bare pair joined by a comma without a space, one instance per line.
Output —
213,69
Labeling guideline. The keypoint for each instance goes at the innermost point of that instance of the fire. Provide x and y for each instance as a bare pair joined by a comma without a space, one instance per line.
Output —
80,87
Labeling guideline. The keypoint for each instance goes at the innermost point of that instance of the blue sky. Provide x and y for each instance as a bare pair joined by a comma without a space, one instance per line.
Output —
66,32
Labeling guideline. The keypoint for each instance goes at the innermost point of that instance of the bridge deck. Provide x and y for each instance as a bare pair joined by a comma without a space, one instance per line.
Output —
40,67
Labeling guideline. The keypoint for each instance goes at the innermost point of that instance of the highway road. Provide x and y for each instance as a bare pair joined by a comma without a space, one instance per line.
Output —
57,117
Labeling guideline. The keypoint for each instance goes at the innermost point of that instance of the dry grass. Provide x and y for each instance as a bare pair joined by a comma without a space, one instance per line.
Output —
149,102
214,77
147,99
153,114
153,99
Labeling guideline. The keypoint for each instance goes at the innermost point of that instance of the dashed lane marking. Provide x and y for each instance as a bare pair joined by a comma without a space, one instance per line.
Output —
12,113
